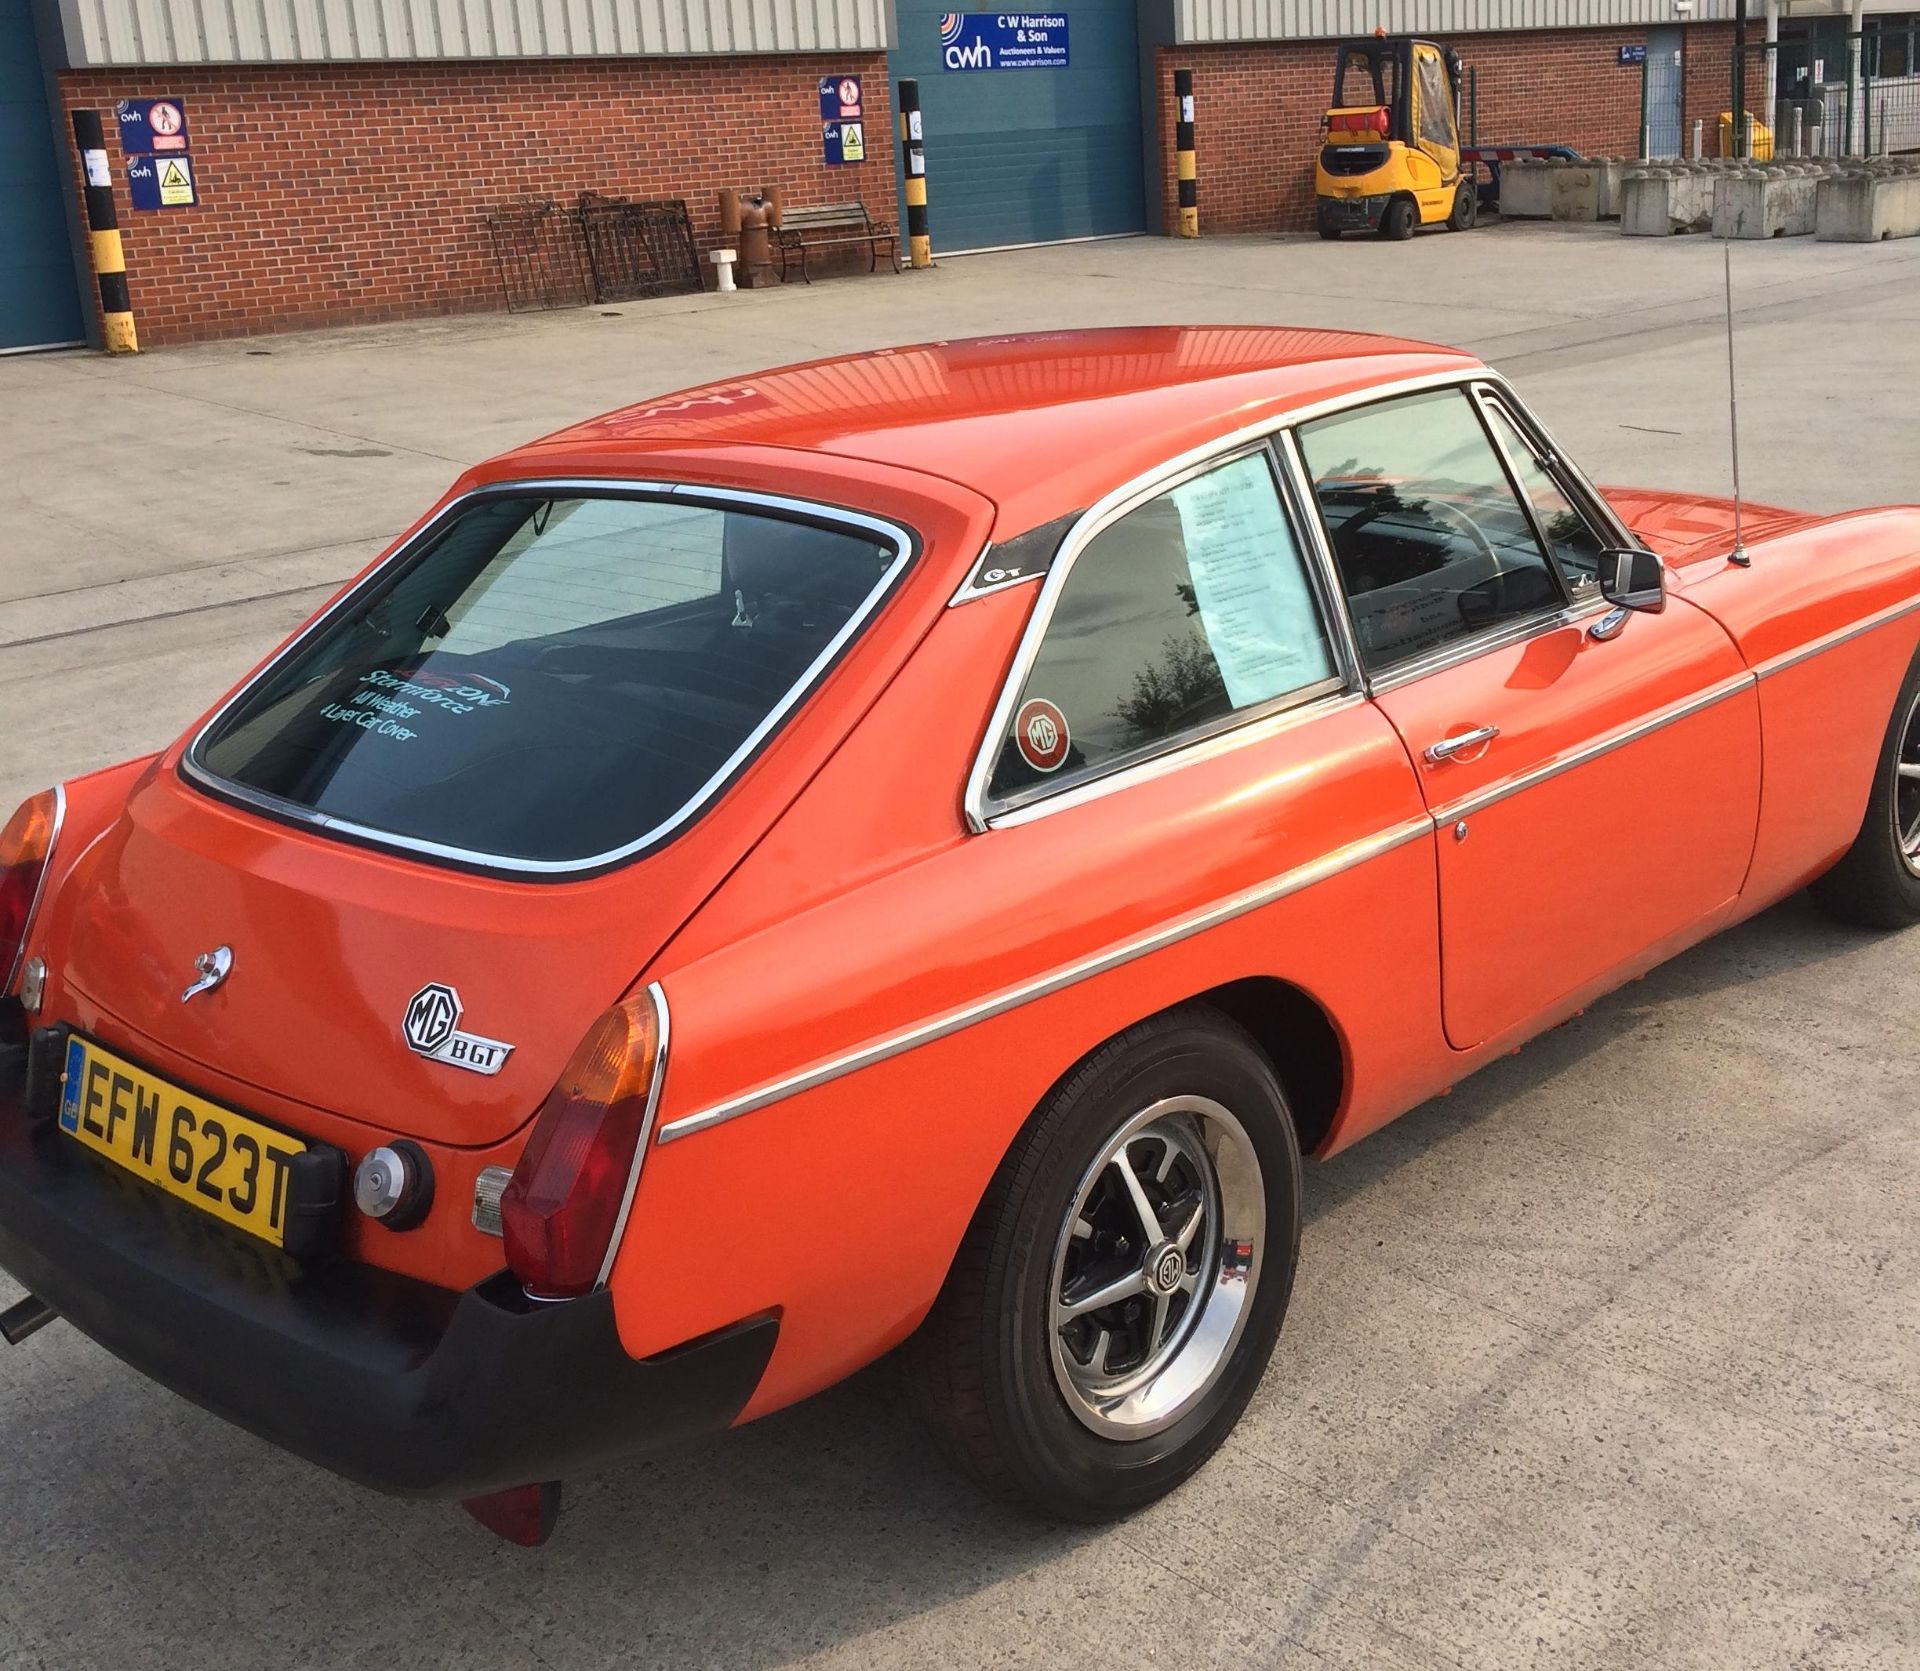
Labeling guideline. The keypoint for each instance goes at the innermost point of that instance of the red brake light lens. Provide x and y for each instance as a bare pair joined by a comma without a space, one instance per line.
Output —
24,846
561,1210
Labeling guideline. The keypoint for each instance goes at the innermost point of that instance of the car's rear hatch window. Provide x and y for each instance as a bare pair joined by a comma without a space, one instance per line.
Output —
549,682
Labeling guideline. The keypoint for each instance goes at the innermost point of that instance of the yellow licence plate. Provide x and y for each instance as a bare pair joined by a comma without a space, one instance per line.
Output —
224,1163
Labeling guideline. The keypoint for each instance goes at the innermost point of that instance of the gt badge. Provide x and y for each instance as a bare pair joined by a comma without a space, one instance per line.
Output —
431,1027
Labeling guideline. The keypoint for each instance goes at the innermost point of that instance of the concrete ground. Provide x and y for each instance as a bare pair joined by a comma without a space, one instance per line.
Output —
1609,1359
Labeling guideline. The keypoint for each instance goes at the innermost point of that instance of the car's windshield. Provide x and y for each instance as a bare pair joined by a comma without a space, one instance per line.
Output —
555,681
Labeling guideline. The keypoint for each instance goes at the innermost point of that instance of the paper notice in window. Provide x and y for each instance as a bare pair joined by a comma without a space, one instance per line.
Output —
1254,597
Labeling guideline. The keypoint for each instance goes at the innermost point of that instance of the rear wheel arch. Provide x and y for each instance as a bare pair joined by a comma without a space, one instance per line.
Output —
1292,1030
1299,1038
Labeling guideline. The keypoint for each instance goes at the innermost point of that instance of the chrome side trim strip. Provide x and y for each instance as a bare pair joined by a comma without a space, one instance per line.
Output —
1833,640
1127,951
656,994
1673,712
39,889
1245,730
1502,635
887,533
1617,738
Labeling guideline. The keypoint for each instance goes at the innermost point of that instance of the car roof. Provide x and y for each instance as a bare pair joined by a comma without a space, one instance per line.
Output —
1041,423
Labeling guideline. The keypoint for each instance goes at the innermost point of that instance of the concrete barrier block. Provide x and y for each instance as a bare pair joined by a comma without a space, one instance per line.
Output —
1525,191
1771,202
1660,202
1576,192
1611,170
1863,206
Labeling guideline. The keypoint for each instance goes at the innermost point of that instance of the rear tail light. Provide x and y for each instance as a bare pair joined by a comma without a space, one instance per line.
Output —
563,1212
25,845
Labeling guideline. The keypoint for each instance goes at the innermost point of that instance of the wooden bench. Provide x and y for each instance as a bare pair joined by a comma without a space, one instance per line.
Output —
825,224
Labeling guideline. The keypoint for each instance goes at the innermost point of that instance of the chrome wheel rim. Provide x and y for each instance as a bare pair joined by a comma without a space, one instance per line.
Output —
1906,790
1155,1268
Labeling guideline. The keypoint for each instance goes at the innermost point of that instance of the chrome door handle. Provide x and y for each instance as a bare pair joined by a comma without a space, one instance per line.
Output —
1448,747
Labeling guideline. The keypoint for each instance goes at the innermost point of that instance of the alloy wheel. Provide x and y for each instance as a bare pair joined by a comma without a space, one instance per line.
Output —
1155,1268
1906,789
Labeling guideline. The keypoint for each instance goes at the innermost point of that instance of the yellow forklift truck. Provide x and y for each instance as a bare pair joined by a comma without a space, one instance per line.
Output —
1390,148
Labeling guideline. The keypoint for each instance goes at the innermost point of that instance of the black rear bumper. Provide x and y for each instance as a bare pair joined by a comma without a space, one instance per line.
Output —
384,1379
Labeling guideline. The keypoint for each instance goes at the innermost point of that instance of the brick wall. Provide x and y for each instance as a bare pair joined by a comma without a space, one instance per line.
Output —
1258,107
355,193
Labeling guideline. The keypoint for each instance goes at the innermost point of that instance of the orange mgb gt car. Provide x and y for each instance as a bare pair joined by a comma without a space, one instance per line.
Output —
956,824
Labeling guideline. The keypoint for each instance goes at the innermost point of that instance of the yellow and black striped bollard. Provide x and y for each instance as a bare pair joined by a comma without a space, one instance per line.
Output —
919,244
103,227
1183,142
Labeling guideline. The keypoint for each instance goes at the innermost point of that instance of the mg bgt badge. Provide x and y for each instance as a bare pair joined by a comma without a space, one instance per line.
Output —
432,1028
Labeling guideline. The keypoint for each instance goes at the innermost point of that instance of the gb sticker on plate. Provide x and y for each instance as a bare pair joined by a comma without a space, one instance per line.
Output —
432,1028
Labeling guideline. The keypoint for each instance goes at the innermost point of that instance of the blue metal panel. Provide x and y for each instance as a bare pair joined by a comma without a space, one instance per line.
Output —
1031,155
39,291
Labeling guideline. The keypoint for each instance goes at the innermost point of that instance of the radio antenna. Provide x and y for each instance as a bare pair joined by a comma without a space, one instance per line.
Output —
1738,556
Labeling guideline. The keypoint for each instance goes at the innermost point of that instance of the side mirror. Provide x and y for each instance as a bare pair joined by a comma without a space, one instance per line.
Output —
1633,580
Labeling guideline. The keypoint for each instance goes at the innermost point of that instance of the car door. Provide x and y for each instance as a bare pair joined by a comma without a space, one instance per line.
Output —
1594,780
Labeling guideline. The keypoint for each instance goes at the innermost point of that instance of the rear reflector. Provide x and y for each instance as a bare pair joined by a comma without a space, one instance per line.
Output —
569,1195
25,845
522,1514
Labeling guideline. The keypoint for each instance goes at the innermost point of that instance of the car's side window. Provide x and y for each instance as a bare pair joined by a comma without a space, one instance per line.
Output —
1190,609
1569,533
1431,544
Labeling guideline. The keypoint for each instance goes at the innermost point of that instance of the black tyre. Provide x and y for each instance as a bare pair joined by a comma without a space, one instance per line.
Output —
1066,1364
1328,232
1466,205
1877,881
1399,218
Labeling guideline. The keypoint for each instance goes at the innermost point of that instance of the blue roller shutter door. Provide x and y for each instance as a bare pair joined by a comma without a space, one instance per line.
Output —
1026,156
39,290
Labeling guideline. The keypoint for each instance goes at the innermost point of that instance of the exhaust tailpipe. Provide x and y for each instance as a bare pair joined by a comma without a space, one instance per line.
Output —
29,1317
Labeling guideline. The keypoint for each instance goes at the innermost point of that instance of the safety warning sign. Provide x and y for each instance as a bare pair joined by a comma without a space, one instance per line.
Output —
161,182
151,125
840,98
843,142
176,182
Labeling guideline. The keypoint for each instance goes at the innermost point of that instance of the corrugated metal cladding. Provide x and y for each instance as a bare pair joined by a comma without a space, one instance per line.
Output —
1258,20
109,32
